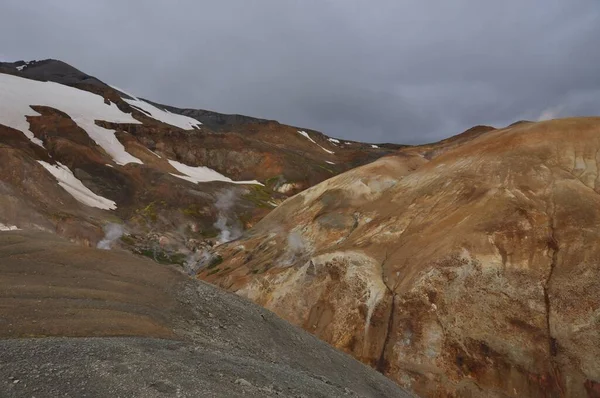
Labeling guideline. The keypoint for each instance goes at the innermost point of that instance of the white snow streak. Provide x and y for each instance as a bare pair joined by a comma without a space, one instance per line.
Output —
333,140
374,146
25,65
154,153
202,174
72,185
327,161
108,141
17,94
304,133
183,122
8,227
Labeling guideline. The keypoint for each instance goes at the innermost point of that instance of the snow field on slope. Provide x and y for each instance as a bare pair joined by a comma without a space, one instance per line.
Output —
202,174
17,94
183,122
4,227
75,187
304,133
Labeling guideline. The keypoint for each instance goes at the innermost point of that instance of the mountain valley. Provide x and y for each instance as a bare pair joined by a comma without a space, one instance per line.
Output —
466,267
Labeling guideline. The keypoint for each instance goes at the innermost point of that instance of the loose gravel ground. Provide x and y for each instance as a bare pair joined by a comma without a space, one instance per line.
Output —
176,337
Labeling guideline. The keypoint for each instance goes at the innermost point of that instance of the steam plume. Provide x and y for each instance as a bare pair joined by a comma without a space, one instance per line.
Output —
229,230
112,232
197,260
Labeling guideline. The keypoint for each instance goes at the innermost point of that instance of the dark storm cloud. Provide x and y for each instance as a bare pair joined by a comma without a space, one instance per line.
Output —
389,70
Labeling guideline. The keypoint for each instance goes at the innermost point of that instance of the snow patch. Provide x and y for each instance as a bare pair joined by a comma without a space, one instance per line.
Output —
333,140
75,187
154,153
304,133
25,65
17,94
108,141
4,227
374,146
327,161
202,174
183,122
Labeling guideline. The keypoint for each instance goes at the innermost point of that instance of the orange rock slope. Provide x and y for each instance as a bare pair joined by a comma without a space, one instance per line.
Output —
467,268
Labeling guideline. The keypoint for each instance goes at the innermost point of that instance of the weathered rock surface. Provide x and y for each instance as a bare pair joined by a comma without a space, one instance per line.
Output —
76,322
468,268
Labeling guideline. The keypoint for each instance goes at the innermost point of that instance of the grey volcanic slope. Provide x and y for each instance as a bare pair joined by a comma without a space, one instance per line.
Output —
110,324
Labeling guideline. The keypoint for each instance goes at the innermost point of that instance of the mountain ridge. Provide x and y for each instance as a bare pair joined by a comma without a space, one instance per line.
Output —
135,154
60,72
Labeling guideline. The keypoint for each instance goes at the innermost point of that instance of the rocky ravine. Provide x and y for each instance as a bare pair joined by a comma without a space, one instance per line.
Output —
464,268
77,322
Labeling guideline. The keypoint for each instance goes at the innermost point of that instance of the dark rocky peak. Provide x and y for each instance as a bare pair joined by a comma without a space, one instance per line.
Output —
51,70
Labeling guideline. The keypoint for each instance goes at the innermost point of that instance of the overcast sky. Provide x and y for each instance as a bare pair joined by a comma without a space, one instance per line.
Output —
404,71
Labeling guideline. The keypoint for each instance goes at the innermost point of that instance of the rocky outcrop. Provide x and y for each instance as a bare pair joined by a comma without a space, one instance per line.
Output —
50,70
466,270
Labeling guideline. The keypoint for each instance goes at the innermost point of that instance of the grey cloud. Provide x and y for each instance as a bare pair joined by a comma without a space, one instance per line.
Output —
399,71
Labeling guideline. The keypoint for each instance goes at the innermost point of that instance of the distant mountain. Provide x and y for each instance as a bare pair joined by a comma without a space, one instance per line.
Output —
85,154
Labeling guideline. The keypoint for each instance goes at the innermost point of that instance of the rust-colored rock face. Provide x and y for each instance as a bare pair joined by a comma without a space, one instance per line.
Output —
472,271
